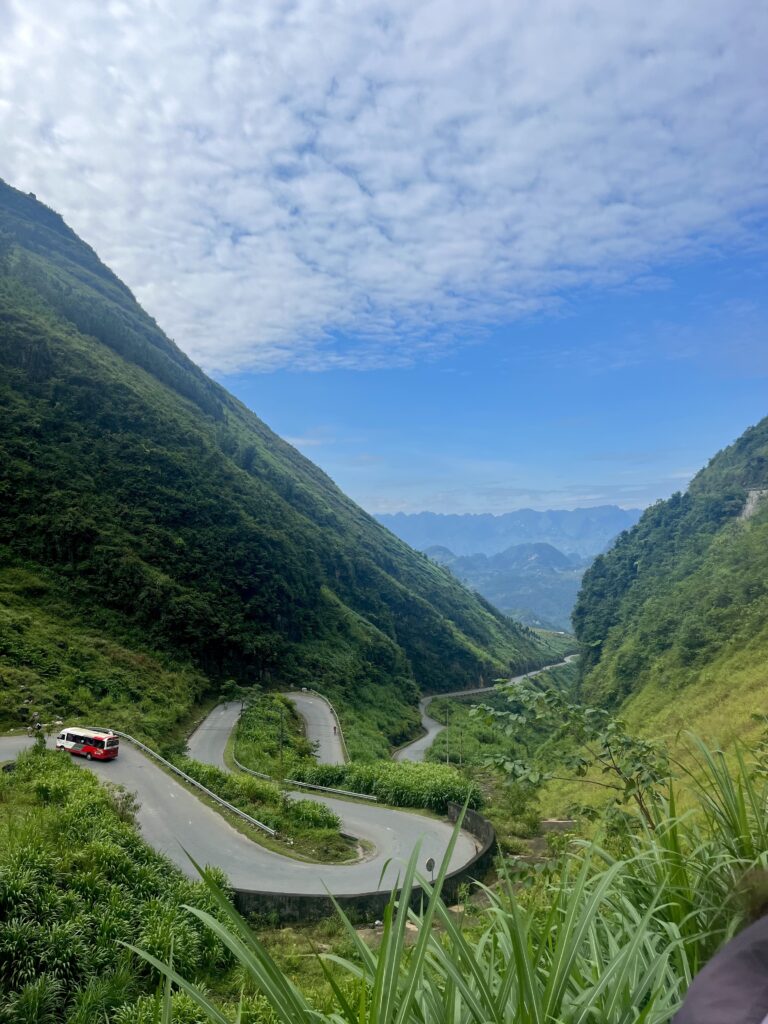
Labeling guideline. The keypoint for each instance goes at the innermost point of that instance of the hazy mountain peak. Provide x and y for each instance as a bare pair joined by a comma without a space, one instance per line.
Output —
583,531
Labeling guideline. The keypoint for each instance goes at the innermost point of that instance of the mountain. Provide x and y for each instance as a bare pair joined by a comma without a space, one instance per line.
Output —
584,532
158,540
535,583
674,618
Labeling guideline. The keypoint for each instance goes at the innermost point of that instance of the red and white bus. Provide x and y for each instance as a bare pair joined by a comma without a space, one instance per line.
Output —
92,744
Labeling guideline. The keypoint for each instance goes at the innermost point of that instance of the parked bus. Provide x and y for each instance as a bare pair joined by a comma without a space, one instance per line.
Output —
92,744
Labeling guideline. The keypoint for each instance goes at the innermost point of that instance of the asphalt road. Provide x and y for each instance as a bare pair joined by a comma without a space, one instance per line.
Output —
393,834
320,722
417,750
173,821
209,739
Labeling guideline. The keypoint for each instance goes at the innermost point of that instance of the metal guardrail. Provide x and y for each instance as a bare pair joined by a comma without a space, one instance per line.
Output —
198,785
337,792
306,785
251,771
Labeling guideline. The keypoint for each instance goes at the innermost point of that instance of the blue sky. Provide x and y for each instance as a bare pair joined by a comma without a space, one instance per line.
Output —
618,398
468,256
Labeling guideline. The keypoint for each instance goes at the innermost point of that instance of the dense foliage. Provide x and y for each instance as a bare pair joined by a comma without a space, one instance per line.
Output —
534,583
683,594
75,881
269,735
600,933
470,739
175,521
403,783
308,827
53,661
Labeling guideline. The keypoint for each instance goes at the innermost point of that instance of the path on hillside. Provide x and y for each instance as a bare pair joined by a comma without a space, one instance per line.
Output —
172,820
417,750
393,834
321,725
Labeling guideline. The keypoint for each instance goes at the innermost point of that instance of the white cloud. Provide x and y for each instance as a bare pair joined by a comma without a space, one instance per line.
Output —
271,177
306,442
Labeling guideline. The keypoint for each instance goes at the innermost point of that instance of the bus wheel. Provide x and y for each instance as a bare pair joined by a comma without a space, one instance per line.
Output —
88,757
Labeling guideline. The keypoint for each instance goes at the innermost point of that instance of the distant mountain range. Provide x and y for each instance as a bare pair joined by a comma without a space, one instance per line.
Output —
585,532
534,583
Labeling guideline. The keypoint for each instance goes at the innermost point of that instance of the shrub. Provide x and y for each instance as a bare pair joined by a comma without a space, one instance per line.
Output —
403,783
61,862
263,800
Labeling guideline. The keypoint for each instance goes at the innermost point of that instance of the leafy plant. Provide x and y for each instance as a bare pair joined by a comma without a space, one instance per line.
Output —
632,770
403,783
307,826
75,878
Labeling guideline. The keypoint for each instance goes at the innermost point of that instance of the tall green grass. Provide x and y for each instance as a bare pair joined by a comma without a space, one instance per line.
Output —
609,932
403,783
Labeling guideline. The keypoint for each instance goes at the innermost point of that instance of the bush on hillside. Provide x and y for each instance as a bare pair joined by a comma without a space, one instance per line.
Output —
403,783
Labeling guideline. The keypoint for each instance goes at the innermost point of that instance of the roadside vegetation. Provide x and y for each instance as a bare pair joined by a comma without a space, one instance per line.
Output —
610,930
76,881
304,827
269,738
479,744
269,735
469,739
402,783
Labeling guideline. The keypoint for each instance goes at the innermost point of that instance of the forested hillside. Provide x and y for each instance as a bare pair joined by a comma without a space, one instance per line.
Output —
156,538
534,583
675,616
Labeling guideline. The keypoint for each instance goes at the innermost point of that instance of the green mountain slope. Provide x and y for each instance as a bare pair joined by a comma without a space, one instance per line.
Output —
674,619
143,504
534,583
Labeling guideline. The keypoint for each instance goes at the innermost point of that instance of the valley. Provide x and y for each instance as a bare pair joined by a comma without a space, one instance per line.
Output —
166,560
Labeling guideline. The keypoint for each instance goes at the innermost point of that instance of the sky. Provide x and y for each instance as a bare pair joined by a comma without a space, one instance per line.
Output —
466,257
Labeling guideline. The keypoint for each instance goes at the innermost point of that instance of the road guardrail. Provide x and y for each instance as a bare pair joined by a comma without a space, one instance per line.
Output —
336,792
251,771
198,785
306,785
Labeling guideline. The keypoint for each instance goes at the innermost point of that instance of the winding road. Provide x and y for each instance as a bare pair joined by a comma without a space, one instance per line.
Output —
417,750
173,820
322,727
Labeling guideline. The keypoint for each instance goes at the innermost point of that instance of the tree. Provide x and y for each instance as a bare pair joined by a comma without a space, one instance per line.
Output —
635,771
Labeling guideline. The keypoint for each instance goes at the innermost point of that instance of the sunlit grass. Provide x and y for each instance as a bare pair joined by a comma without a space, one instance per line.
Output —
611,933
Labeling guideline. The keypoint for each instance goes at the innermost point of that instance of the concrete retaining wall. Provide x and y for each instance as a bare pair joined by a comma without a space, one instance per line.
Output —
369,906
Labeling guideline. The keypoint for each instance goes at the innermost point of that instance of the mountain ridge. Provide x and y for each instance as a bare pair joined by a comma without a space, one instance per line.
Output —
673,620
177,521
583,532
532,582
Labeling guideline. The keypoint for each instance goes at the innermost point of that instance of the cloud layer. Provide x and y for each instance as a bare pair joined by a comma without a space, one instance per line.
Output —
308,183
